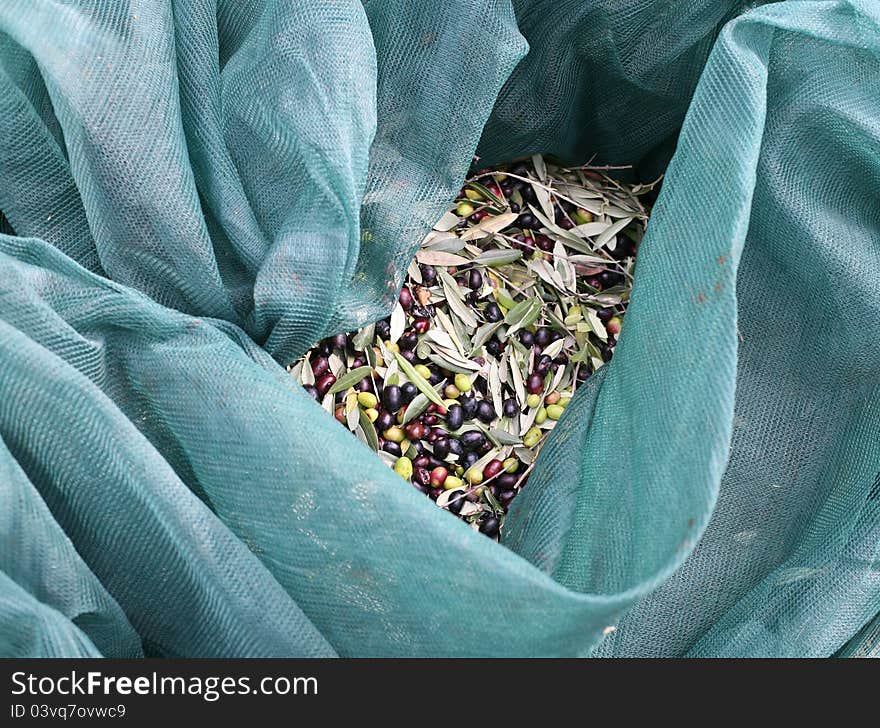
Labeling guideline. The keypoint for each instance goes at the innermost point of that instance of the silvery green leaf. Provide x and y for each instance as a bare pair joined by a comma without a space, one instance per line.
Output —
296,370
421,383
545,201
490,226
498,257
443,242
589,229
416,408
554,348
353,415
391,375
596,324
495,386
363,338
454,300
308,376
540,167
441,338
447,222
516,377
482,335
607,237
447,362
372,439
349,379
505,438
413,271
440,257
398,322
328,402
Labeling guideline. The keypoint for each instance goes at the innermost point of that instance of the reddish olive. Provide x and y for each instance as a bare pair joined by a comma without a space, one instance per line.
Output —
323,384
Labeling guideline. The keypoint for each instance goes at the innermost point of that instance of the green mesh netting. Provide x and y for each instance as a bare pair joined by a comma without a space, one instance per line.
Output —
193,191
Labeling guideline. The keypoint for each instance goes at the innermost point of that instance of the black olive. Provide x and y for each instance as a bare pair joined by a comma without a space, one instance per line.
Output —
492,312
429,274
510,407
542,366
311,391
542,336
383,329
455,502
408,339
454,417
472,440
475,279
391,398
422,476
605,314
441,448
384,421
494,347
506,481
527,338
409,355
490,526
455,447
468,407
485,412
526,221
392,447
468,459
340,341
408,392
325,348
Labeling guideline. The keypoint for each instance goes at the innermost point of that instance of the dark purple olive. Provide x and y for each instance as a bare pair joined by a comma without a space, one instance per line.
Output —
506,481
520,170
429,274
365,385
472,440
384,420
485,411
325,347
409,355
406,298
441,448
510,408
605,314
320,365
544,243
542,366
422,476
324,383
430,420
494,347
527,338
455,447
408,392
492,312
526,221
454,417
383,329
421,325
391,398
468,406
408,340
358,362
340,341
535,383
311,391
607,351
583,374
594,282
435,377
475,279
468,459
542,336
392,447
514,207
421,461
455,502
490,526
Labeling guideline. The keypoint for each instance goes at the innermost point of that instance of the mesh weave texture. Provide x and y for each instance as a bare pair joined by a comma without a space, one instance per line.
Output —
194,191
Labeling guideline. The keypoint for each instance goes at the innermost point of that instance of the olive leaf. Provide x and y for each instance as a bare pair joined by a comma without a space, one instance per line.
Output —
349,379
423,385
369,430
